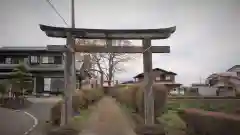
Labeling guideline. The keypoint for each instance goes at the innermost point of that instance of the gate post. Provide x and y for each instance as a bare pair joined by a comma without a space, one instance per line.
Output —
148,82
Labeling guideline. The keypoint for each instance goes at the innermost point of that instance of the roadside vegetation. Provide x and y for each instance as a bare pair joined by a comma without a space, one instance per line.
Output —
13,90
129,98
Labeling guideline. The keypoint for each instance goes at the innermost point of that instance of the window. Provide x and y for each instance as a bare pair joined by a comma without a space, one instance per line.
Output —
17,60
168,77
162,77
2,60
47,59
238,74
34,60
158,78
47,84
194,90
57,59
44,60
8,60
50,60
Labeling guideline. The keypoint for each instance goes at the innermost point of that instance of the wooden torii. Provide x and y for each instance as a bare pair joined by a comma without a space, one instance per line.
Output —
146,35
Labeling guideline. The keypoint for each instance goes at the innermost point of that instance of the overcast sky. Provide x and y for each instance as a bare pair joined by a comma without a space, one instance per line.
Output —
206,39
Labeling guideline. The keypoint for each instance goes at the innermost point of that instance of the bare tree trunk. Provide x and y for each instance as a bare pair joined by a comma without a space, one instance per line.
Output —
110,69
101,72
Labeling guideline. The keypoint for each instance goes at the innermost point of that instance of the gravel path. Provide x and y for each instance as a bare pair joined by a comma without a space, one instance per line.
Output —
108,119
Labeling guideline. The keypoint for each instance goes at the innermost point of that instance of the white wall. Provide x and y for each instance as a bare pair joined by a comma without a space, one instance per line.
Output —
47,84
206,91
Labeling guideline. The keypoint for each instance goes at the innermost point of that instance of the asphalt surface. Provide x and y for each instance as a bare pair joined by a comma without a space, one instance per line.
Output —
41,110
19,122
14,123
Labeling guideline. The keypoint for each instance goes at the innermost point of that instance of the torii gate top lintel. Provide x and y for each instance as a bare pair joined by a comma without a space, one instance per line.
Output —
84,33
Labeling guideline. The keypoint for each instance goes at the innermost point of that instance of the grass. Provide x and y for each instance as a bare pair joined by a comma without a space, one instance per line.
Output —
78,122
84,115
173,123
208,105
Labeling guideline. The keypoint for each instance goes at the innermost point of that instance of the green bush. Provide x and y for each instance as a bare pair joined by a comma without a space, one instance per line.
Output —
171,120
81,100
212,123
55,116
131,95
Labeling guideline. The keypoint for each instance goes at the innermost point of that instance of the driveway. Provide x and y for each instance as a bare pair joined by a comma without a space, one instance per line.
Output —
14,123
41,110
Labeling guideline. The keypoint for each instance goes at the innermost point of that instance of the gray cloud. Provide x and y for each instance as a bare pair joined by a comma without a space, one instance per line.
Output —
206,39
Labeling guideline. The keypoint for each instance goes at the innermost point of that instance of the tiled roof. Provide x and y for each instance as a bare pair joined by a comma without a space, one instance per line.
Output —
234,67
156,69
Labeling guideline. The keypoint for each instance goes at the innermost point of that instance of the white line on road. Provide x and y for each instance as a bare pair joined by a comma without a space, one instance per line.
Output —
34,119
34,125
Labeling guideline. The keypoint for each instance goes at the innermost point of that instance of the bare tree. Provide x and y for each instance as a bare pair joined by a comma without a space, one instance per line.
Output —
109,63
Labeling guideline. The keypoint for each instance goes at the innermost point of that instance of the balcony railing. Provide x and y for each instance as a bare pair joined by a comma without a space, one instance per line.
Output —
173,81
40,67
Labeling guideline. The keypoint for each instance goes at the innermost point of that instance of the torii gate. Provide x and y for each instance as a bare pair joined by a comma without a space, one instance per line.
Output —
146,35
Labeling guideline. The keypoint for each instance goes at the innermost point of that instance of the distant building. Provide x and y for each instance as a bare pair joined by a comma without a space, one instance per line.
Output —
46,67
127,82
227,83
235,69
160,75
203,90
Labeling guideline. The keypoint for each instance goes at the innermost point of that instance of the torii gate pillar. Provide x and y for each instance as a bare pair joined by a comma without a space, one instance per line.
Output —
148,82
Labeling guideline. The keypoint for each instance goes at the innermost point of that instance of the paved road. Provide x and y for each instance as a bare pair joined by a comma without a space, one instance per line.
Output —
14,123
41,110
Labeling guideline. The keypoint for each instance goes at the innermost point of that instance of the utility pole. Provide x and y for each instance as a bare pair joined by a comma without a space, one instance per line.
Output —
69,73
73,14
73,44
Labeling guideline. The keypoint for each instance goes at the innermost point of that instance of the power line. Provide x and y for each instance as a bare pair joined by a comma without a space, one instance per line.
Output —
49,2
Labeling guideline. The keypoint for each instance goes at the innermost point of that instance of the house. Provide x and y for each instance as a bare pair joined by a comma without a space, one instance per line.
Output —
46,67
227,83
160,76
203,89
235,69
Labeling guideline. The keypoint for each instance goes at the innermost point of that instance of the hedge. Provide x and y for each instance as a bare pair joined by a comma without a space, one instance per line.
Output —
80,100
131,95
204,97
201,122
